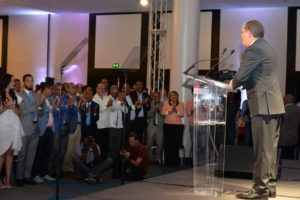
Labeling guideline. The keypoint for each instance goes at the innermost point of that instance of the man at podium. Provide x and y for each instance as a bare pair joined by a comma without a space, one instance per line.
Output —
257,74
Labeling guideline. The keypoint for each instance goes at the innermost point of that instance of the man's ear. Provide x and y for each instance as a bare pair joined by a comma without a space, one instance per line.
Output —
249,35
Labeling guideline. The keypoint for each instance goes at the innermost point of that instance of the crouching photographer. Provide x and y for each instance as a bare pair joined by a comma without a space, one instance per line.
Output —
87,161
136,158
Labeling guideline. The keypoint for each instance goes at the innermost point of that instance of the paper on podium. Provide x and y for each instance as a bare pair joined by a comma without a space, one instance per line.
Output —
205,80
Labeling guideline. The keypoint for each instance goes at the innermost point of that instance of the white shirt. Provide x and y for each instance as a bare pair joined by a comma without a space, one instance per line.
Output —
116,112
19,98
50,122
28,92
104,112
140,98
132,112
253,41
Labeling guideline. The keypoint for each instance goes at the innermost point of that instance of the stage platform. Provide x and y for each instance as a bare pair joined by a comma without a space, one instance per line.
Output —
179,186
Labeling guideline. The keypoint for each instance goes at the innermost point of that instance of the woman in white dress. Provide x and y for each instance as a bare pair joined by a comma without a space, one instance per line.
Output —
11,130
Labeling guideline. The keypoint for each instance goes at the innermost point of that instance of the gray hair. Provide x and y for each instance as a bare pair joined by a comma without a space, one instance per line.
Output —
114,87
255,28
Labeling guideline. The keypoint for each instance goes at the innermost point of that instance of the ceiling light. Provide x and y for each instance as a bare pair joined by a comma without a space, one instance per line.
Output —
144,2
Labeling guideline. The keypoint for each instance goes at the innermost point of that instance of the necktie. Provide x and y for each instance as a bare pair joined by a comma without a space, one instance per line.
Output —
155,122
31,97
88,114
117,117
31,102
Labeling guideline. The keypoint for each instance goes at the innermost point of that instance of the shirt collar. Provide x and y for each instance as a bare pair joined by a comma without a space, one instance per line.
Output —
27,91
253,41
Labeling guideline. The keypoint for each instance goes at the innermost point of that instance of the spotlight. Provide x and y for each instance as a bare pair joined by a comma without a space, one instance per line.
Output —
144,2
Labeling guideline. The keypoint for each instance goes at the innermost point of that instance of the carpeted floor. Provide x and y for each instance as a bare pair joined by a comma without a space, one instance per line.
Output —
161,183
70,187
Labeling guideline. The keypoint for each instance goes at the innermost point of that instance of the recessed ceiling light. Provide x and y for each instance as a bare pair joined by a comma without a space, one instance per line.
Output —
144,2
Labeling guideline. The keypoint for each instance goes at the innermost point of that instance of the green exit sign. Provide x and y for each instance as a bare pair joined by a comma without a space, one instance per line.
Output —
116,65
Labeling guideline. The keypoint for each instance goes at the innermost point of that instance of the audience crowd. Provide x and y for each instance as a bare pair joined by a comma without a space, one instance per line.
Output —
52,130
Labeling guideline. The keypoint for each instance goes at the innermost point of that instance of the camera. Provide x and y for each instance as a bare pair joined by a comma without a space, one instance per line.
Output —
91,139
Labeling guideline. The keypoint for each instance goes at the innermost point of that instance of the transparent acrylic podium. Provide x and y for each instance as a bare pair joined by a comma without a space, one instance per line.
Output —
210,100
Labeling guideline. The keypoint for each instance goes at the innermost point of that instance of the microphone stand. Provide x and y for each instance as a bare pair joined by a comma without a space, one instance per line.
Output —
203,60
217,64
194,64
58,165
124,131
67,60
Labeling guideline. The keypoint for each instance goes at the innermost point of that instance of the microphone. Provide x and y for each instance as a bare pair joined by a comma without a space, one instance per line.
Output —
203,60
214,66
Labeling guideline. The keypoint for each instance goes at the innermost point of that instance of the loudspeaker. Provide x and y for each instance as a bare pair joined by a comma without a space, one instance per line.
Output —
238,162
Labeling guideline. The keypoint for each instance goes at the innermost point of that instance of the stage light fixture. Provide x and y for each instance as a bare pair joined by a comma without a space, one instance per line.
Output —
144,2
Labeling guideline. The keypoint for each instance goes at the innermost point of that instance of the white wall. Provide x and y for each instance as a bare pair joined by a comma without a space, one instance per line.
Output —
27,40
275,23
27,46
67,31
116,36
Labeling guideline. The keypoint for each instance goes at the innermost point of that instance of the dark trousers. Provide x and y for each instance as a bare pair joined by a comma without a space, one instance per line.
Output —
230,133
140,126
128,128
115,136
63,139
172,142
87,131
265,134
82,170
248,134
133,172
41,161
27,153
102,139
288,152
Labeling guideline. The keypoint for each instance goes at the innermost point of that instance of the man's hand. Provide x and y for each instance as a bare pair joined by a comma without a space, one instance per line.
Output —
109,103
231,82
122,152
94,147
58,102
40,100
145,101
70,101
9,103
137,103
121,97
125,154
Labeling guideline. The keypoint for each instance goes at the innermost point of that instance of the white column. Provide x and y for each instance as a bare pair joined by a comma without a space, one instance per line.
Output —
185,43
185,46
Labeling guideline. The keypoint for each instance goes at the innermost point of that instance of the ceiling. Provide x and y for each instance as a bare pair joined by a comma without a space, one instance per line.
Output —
17,7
